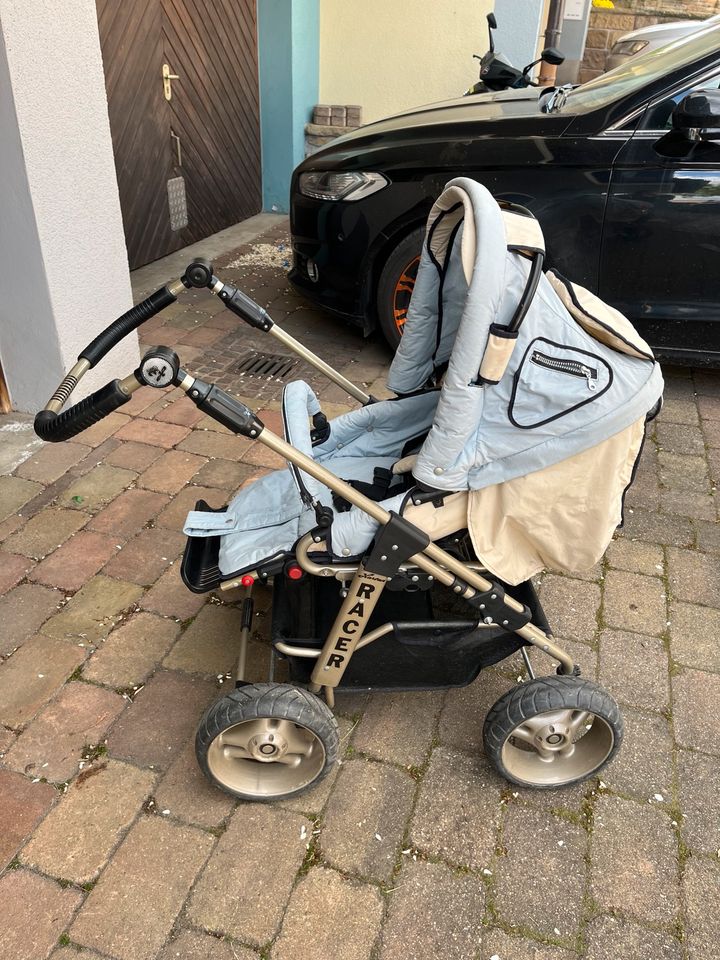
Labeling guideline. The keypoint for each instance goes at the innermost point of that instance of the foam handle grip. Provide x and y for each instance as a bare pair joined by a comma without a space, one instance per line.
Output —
128,322
55,427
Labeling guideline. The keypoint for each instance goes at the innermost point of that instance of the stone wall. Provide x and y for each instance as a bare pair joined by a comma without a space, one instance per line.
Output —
606,26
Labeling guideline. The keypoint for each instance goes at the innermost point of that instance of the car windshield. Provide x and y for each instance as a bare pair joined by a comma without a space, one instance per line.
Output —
637,72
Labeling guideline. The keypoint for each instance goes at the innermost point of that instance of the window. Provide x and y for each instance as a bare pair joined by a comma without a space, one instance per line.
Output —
659,114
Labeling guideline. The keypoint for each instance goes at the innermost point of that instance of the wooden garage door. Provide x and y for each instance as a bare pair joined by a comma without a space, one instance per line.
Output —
204,142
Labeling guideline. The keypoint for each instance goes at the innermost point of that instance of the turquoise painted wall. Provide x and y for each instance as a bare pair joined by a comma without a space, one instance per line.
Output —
289,67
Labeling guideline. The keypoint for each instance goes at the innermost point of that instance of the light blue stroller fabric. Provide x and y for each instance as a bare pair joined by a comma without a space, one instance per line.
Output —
564,390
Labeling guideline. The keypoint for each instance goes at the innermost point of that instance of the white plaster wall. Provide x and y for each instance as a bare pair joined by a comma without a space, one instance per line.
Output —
63,264
387,55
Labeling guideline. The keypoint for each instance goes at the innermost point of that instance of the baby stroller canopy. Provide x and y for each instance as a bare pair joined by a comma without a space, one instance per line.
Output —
531,438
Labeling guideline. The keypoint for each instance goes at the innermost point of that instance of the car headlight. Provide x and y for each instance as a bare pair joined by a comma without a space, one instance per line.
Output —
340,186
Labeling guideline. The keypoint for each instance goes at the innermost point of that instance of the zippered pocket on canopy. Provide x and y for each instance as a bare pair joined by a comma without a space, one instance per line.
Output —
553,380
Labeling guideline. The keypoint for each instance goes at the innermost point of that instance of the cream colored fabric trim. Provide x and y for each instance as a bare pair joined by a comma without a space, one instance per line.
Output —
622,335
405,465
496,357
561,518
441,233
523,232
440,521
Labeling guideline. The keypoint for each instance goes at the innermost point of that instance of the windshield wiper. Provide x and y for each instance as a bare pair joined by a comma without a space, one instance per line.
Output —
557,98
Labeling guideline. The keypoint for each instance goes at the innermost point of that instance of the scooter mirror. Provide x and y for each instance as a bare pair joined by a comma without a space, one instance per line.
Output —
553,56
492,22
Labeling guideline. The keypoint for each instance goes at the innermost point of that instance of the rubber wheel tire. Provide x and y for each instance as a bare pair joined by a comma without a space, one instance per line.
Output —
544,694
407,251
272,701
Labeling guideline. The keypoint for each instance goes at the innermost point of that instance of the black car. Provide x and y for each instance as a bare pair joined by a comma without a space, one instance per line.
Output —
623,181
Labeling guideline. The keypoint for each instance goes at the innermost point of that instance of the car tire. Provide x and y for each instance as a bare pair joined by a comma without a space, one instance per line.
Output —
396,285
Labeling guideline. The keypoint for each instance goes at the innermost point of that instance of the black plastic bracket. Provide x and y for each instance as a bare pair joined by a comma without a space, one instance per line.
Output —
397,541
245,308
491,603
225,409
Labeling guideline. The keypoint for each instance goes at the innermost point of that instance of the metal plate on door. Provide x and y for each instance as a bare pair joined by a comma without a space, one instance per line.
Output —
177,203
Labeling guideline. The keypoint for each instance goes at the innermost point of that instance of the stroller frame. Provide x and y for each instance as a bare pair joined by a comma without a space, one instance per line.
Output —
399,548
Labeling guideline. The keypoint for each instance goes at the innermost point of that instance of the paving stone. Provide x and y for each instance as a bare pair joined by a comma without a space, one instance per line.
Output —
694,635
683,472
224,474
571,607
709,408
32,675
610,938
171,598
689,503
634,602
194,945
497,943
182,411
175,514
73,953
78,559
158,434
262,456
96,487
701,881
658,528
633,861
694,577
636,557
51,461
696,710
78,836
35,913
189,796
23,804
22,611
708,536
465,709
100,431
322,904
134,905
458,809
365,818
644,765
46,531
634,669
246,885
711,432
133,456
452,914
7,739
215,445
679,410
171,472
680,438
131,651
210,644
14,493
144,558
128,513
53,743
698,777
94,610
161,720
545,858
13,568
399,727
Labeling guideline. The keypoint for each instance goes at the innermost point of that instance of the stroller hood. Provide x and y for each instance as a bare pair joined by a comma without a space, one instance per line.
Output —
513,401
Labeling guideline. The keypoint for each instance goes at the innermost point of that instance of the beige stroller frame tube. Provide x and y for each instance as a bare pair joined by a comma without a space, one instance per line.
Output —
433,560
314,360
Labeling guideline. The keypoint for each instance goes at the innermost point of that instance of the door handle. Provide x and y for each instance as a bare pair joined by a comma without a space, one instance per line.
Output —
176,138
167,77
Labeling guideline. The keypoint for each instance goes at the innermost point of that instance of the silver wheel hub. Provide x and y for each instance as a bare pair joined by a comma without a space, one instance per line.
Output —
267,747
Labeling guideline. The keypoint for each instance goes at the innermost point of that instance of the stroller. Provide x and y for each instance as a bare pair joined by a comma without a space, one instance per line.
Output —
402,537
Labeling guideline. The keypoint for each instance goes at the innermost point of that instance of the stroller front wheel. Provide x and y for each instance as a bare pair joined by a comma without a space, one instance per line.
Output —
552,732
267,741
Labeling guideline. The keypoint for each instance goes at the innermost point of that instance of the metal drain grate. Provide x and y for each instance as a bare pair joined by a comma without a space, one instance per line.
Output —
270,366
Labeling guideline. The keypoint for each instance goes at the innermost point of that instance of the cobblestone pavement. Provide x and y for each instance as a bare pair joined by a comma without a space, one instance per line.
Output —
114,846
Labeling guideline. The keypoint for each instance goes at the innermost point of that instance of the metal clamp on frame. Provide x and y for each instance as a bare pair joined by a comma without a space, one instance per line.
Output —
397,541
493,608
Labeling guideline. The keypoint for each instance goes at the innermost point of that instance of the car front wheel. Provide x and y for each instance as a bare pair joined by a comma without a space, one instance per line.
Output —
396,284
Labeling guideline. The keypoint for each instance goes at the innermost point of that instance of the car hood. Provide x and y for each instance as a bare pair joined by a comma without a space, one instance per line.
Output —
664,31
452,119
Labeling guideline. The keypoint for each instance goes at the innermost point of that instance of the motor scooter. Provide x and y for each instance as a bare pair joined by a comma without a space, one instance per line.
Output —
497,73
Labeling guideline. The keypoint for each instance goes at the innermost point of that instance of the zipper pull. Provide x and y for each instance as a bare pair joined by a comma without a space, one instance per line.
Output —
589,377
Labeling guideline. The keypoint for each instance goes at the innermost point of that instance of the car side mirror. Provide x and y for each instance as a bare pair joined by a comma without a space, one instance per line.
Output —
553,56
698,115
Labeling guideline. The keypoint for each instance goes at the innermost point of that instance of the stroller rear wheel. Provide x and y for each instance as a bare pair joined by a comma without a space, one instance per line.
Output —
267,741
552,732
